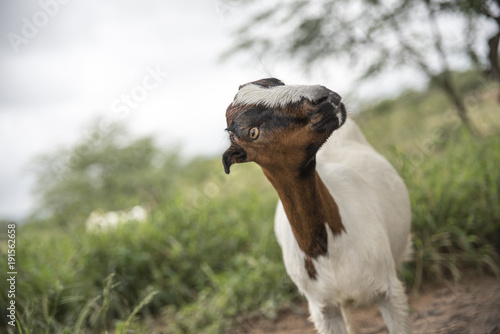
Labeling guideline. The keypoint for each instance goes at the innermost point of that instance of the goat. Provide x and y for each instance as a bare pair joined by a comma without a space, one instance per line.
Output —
343,219
100,221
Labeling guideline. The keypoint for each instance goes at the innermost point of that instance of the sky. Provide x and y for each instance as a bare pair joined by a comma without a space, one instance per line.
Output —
154,64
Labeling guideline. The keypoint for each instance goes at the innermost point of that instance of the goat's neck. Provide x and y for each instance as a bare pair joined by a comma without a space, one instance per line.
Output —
309,207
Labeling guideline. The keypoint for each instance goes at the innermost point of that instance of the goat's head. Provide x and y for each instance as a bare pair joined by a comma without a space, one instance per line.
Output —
280,127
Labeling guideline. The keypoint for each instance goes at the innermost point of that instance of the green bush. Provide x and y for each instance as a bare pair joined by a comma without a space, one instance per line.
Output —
454,196
209,250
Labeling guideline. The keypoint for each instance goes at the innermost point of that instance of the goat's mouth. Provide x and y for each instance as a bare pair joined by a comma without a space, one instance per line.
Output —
330,116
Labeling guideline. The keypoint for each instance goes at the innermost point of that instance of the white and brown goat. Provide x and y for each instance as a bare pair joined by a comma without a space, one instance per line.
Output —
343,219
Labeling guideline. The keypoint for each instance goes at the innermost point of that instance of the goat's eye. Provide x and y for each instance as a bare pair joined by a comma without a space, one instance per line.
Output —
254,133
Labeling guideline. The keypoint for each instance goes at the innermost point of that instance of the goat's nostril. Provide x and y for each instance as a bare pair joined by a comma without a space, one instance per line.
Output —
334,98
320,100
323,94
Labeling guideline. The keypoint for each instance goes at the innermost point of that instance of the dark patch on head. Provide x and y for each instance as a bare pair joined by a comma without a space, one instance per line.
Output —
258,116
266,83
311,270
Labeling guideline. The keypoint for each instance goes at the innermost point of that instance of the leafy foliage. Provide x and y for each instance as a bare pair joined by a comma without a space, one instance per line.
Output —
103,171
375,35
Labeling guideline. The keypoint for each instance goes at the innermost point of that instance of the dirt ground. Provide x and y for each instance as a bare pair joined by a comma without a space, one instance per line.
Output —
470,307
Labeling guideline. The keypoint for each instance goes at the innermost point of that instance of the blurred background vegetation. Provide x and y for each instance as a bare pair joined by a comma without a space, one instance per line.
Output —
206,257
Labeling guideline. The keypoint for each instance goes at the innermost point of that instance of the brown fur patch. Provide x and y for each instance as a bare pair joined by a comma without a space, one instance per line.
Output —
311,270
309,206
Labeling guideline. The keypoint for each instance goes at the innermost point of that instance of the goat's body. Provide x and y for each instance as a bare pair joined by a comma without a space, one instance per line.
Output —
360,265
343,221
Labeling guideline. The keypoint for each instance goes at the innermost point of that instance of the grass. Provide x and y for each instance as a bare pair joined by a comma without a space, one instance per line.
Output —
451,176
200,255
454,195
207,256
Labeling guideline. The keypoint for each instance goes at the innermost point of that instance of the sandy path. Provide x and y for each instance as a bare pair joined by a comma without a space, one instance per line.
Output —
470,307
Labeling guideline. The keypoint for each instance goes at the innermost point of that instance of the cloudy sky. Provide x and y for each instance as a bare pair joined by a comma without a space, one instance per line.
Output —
155,64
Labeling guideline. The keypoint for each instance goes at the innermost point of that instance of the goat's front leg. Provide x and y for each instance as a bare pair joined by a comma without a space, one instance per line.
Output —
329,319
394,308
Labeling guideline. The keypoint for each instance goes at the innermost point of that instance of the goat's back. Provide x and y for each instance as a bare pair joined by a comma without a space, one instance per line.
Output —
348,150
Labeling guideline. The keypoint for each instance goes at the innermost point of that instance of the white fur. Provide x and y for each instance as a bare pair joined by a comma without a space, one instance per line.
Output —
341,118
361,263
276,96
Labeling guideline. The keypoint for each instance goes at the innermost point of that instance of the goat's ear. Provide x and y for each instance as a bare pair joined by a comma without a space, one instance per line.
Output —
234,154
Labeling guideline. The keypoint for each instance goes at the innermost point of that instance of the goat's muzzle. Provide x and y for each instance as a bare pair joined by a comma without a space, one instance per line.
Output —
323,94
330,113
234,154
